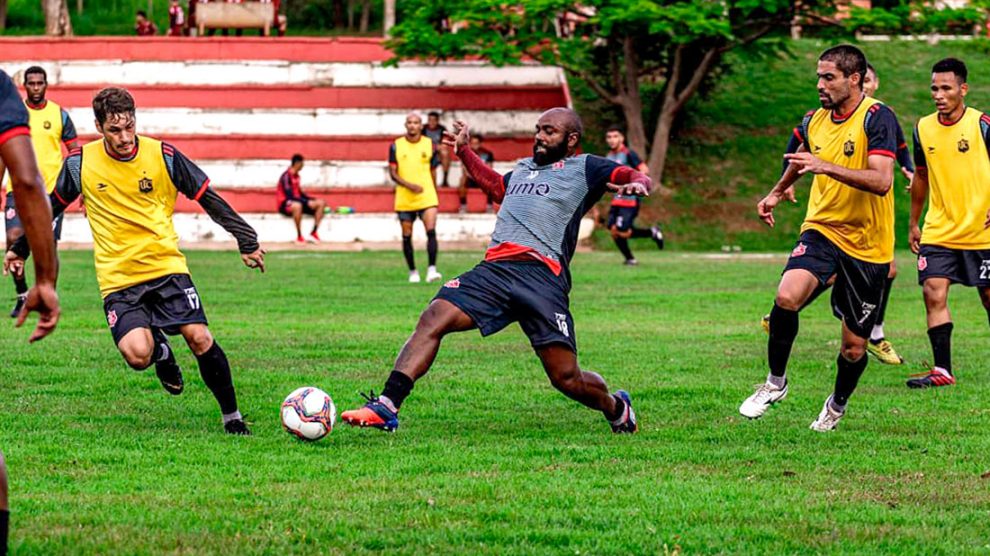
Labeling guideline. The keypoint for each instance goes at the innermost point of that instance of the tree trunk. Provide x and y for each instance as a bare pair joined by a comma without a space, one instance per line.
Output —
661,143
3,14
365,16
630,98
350,14
79,7
389,16
57,20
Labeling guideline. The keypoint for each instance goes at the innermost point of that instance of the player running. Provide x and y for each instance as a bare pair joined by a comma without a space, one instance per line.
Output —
952,152
849,146
879,346
129,184
28,186
51,127
624,208
524,277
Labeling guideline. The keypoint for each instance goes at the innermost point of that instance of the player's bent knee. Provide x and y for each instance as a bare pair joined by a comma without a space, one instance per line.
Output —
137,359
935,295
197,337
853,351
788,301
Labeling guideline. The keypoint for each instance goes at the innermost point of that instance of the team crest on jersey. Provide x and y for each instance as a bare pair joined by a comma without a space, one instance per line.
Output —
848,148
922,263
559,165
455,283
47,125
11,214
112,318
799,250
145,185
533,174
963,145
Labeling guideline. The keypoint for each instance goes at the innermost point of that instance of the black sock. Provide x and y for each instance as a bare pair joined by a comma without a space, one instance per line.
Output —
215,370
162,351
846,379
397,387
620,406
783,330
20,285
431,246
407,250
4,525
623,245
641,232
941,338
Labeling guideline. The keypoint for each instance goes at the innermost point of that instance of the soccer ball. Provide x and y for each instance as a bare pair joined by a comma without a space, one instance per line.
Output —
308,413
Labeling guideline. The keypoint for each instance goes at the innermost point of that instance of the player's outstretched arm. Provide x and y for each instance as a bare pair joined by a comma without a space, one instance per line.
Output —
247,239
36,214
919,194
876,178
626,181
490,181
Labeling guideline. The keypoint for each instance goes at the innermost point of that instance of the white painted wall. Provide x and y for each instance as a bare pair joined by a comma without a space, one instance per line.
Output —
268,72
316,173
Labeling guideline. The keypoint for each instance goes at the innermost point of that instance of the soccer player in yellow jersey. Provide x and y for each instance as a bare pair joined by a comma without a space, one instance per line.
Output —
848,145
51,127
952,153
412,165
129,184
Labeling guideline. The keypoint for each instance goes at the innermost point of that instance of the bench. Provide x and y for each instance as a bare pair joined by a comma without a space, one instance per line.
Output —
246,15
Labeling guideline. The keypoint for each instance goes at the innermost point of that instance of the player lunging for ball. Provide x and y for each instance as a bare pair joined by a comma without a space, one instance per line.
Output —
524,277
849,146
129,184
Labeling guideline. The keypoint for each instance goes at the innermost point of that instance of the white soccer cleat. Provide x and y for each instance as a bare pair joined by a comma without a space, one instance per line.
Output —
432,275
766,395
827,419
414,277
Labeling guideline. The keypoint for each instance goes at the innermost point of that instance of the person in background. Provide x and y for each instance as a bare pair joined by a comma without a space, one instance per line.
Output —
143,26
176,19
434,130
293,202
467,181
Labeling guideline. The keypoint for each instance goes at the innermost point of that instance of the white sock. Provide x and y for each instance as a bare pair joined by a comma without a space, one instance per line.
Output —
387,403
877,333
943,371
778,381
235,416
432,269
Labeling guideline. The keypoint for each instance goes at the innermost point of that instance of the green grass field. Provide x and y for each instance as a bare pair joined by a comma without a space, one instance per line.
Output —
489,458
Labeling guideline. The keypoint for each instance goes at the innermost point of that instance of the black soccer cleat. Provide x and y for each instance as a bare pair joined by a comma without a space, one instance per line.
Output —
626,423
238,427
657,234
170,375
18,305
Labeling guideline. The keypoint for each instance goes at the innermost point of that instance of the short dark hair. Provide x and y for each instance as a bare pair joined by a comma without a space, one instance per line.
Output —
955,65
33,70
869,68
848,59
479,137
433,114
142,14
617,129
296,159
110,101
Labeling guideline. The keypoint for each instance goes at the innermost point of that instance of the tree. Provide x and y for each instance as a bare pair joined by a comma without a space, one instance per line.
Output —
617,47
57,20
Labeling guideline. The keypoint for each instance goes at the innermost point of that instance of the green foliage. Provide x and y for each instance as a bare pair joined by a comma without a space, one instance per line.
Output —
490,459
917,18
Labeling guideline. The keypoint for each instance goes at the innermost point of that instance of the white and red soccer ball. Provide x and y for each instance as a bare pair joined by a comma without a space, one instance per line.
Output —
308,413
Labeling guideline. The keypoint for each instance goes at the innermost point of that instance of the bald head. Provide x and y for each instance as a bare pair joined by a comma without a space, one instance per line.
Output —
558,133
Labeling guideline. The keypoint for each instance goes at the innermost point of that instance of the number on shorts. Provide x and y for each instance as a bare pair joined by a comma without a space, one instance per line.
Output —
985,270
193,298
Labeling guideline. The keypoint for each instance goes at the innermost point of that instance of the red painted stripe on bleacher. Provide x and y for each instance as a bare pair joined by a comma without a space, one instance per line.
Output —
293,49
241,147
371,199
287,96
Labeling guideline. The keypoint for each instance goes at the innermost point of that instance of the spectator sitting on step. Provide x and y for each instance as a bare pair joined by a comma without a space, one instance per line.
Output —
434,130
293,202
176,19
143,26
488,158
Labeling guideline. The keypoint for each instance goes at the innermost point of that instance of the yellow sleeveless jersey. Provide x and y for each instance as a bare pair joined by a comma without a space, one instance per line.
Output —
415,163
129,205
958,178
861,224
50,127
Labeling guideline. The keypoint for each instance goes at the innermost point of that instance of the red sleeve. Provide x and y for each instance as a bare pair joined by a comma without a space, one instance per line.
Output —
623,175
488,180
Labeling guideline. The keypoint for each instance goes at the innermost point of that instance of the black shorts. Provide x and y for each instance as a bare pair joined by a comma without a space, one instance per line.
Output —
858,287
496,294
410,215
12,220
622,217
284,207
969,267
166,303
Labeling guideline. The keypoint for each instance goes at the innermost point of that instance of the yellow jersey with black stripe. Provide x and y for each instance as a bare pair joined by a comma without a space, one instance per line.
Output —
50,128
859,223
129,205
414,162
958,162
